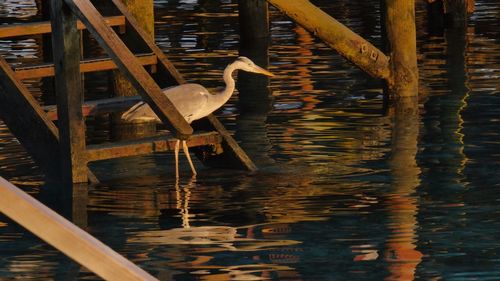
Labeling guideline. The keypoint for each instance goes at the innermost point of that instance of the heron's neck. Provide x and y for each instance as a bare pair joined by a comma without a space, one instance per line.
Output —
222,97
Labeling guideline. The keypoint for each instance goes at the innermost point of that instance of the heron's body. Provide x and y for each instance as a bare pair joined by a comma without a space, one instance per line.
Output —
193,101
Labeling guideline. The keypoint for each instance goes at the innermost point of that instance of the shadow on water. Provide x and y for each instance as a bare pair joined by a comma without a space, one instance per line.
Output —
346,189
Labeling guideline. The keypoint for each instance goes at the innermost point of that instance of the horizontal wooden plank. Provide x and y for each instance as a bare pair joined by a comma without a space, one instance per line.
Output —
34,28
159,143
98,107
89,65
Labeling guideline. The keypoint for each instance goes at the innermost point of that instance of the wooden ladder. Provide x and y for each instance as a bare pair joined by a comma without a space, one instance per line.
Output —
66,143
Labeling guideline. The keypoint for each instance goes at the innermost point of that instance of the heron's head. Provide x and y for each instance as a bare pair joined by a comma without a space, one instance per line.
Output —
246,64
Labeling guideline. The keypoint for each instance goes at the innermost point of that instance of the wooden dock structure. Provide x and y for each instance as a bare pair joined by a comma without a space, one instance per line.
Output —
61,151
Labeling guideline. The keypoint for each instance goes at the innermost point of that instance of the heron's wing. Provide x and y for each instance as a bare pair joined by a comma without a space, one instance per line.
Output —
189,99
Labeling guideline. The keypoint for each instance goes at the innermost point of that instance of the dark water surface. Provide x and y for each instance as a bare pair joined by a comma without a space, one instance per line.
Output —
340,194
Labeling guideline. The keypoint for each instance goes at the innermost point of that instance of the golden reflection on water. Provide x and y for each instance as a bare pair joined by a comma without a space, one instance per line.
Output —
321,135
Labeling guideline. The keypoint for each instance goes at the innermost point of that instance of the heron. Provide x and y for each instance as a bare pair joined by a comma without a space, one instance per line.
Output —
193,101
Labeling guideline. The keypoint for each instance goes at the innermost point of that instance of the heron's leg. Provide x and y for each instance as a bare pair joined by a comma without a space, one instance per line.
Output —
186,151
176,152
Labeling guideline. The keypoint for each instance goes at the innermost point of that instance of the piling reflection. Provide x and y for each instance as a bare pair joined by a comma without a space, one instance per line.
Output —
401,251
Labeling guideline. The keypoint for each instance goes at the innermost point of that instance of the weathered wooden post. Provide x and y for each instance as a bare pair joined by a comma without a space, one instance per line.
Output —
69,92
143,12
402,45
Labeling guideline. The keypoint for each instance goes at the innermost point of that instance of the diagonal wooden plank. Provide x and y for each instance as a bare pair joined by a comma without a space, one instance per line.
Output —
336,35
67,237
28,122
239,153
130,66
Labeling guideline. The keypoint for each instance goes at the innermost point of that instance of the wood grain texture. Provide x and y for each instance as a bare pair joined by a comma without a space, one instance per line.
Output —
401,37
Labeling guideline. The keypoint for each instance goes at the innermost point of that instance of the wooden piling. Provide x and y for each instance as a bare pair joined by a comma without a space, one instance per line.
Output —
254,20
255,99
254,44
143,12
66,237
401,39
69,92
454,12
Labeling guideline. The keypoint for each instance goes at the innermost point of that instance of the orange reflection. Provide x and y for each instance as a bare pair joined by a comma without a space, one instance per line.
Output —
401,253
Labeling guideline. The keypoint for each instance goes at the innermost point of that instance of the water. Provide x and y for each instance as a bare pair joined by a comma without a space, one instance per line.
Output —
346,191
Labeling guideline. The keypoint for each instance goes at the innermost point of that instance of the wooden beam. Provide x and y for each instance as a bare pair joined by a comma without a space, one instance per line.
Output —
66,237
44,27
130,66
28,122
147,146
98,107
347,43
165,63
92,65
69,92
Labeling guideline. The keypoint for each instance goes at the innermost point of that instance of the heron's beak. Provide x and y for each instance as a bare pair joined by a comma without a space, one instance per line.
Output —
261,70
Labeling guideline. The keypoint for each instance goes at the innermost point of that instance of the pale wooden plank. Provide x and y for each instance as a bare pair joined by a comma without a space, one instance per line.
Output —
66,237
